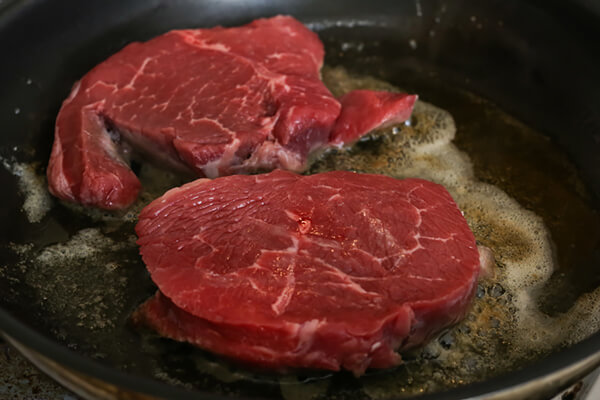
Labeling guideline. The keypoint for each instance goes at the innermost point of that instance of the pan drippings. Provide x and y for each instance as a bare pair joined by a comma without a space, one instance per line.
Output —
91,282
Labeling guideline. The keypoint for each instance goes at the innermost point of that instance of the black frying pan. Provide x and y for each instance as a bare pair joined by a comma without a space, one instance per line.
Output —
537,60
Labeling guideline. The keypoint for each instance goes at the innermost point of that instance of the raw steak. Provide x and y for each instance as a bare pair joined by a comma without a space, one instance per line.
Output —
333,270
207,101
365,110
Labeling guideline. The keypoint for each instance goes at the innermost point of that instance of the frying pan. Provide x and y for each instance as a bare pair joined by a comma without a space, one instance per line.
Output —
538,61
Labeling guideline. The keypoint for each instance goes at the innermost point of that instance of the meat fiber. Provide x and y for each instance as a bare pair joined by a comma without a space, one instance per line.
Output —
365,110
333,270
209,102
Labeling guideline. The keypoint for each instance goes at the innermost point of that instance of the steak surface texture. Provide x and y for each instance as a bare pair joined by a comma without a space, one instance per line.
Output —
207,102
333,270
365,110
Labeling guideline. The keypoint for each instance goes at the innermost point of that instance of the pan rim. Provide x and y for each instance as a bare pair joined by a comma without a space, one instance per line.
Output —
13,327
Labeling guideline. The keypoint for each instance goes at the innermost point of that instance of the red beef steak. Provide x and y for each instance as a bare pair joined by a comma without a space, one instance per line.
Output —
210,102
333,270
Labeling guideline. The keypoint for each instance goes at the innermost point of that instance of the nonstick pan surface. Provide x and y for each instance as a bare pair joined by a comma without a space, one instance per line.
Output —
536,61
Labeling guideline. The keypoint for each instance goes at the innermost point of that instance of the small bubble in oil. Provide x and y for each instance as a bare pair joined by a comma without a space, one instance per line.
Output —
431,352
465,329
497,290
446,340
480,291
494,322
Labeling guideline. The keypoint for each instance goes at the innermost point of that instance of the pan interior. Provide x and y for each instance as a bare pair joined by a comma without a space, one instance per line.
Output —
76,275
